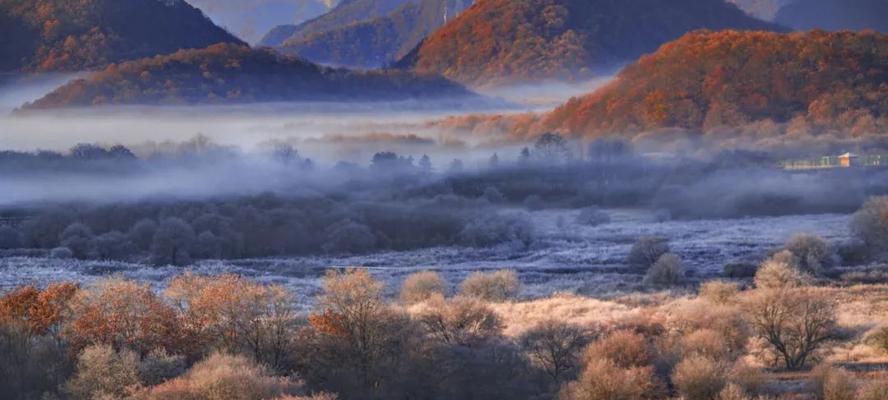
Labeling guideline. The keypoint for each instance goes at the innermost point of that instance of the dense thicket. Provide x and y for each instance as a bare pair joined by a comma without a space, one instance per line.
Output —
230,73
60,35
379,41
503,41
706,80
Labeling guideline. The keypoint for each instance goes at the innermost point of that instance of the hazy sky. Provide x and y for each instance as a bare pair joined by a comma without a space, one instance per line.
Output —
251,19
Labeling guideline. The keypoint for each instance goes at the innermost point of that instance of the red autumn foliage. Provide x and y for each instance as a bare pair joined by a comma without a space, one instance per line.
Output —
40,311
710,79
503,41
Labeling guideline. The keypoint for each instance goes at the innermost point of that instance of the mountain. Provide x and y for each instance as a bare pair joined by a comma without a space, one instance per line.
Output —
345,13
834,15
250,19
707,80
380,41
506,41
64,35
229,73
762,9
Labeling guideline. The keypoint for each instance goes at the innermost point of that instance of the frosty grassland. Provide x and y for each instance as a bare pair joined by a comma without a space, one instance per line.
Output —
565,257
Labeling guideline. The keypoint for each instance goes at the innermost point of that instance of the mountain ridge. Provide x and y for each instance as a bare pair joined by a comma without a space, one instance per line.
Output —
497,42
58,35
232,74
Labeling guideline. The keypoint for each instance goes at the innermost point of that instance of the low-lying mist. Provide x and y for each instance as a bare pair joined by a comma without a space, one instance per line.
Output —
172,203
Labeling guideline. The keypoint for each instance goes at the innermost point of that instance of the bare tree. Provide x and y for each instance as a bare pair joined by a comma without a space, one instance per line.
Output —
172,242
794,322
462,321
646,251
555,346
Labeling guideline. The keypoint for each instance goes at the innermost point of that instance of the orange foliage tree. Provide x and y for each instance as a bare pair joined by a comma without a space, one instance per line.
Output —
123,314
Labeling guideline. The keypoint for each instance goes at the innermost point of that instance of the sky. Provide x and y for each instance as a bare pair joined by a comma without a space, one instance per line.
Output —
251,19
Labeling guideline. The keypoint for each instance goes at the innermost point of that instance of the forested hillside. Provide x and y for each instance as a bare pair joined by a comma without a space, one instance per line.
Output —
378,41
710,79
227,73
507,41
60,35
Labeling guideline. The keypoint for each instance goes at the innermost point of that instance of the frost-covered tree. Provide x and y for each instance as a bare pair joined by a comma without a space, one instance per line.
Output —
349,236
172,243
812,254
79,239
425,164
646,251
142,233
870,225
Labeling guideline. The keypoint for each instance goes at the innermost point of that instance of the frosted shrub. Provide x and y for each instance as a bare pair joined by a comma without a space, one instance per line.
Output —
719,292
875,390
831,383
159,366
748,377
699,377
62,253
497,286
812,254
624,349
776,273
604,380
733,392
225,377
592,216
646,251
493,230
705,342
421,286
667,271
104,373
